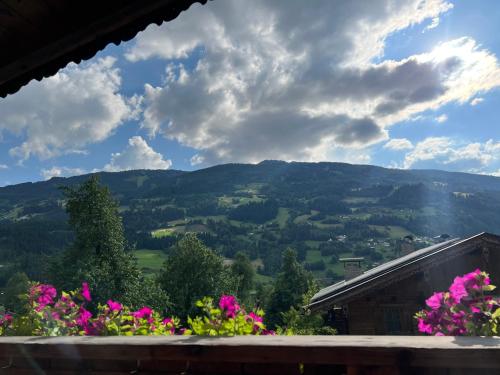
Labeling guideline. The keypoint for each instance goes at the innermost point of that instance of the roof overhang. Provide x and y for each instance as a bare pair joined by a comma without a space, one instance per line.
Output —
37,38
397,270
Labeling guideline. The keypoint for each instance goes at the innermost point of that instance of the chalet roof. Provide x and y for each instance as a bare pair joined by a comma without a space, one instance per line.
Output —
37,38
357,259
345,290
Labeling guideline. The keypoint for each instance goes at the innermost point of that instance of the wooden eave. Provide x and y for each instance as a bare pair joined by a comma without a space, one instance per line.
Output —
39,37
400,269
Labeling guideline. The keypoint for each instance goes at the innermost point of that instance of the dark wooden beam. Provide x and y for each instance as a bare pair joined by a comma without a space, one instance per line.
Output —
37,38
355,352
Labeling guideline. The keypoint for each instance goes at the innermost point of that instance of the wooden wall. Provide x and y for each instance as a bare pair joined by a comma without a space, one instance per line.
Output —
367,313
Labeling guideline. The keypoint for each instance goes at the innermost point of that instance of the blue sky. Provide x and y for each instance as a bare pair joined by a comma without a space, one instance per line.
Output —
407,84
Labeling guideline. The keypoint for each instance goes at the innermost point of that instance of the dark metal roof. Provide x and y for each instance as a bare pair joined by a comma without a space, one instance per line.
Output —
39,37
343,289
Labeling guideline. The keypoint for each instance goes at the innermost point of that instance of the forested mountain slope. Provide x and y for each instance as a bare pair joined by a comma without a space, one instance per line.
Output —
322,210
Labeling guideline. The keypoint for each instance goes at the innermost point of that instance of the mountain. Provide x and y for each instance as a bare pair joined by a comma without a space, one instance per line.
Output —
323,210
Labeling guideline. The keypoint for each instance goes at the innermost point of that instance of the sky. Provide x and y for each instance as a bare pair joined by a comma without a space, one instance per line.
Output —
399,84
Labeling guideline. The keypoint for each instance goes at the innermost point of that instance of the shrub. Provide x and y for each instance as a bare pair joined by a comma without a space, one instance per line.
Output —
228,319
466,309
68,315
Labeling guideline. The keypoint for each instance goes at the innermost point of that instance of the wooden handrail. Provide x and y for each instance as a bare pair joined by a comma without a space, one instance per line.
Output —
356,354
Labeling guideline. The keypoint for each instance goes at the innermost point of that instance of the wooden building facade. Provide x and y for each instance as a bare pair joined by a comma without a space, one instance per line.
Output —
383,300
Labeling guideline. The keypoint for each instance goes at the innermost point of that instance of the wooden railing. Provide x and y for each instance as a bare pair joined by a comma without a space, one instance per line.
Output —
250,355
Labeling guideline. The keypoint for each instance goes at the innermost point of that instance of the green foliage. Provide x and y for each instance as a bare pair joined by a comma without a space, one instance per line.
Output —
292,283
227,319
243,270
147,291
98,252
193,271
14,291
302,321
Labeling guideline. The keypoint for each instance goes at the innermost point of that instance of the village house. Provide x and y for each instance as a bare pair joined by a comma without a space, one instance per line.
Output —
383,300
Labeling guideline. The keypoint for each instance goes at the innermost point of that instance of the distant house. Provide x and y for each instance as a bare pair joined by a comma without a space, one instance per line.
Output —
383,300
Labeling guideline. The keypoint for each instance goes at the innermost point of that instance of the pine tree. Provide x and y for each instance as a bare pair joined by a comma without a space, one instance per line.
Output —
291,284
98,254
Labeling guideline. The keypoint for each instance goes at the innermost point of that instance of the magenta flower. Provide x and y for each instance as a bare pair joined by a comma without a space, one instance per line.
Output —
86,292
229,305
6,319
55,315
144,312
457,289
83,318
435,301
255,317
43,294
268,332
167,321
114,306
424,327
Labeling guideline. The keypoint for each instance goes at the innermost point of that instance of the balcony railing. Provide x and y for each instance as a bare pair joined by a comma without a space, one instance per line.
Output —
250,355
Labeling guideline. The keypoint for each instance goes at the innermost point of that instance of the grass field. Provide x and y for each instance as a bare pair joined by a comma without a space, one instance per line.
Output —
165,232
394,232
282,217
150,261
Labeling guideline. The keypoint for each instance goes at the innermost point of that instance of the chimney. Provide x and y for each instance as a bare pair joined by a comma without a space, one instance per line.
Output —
407,245
352,267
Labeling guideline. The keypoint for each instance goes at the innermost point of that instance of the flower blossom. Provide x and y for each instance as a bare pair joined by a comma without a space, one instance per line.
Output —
435,301
114,306
144,312
229,305
86,292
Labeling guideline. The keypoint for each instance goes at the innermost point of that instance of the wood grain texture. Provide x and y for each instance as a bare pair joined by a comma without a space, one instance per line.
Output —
399,351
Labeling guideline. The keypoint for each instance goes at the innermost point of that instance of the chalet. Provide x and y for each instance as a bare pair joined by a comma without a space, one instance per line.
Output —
383,300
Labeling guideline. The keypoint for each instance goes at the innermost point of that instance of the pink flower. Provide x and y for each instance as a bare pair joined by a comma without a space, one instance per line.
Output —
268,332
44,295
7,318
86,292
114,306
457,289
144,312
424,327
167,321
83,317
255,317
229,305
55,315
435,301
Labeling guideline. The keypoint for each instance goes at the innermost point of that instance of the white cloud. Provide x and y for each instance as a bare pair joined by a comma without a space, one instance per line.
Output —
442,118
137,155
476,101
47,174
4,166
398,144
62,114
270,83
197,159
445,153
434,23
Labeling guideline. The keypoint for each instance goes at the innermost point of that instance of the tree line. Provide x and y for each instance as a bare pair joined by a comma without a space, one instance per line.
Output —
100,255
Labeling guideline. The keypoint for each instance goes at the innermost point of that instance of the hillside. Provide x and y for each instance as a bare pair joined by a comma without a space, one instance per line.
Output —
323,210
